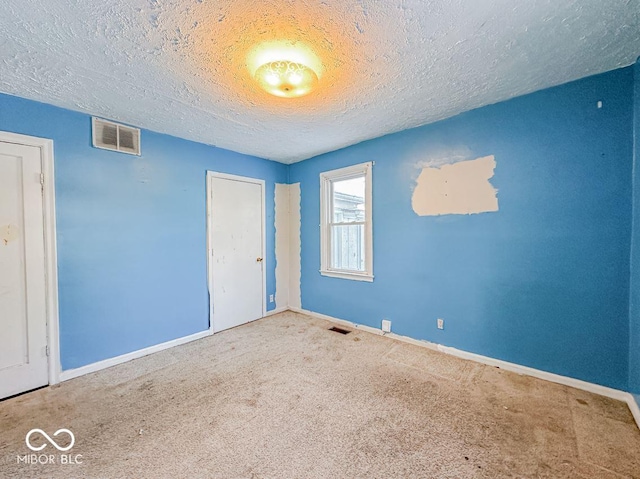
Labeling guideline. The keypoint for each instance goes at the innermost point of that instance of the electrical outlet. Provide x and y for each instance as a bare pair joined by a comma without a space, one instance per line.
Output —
386,326
271,298
440,323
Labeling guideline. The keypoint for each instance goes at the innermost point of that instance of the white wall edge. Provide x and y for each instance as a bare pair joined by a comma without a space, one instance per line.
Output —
276,311
107,363
515,368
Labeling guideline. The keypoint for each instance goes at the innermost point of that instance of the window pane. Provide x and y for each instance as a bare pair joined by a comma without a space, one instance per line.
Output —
348,200
347,248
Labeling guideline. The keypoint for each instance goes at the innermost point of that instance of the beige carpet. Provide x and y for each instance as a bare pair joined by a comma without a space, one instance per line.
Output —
286,398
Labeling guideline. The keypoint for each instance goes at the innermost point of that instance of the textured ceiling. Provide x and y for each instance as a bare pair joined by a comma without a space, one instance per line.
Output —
180,66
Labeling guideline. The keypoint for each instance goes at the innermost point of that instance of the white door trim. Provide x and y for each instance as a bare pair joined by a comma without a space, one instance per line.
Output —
225,176
50,251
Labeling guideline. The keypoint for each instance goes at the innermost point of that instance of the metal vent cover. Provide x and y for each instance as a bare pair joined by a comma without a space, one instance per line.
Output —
115,137
339,330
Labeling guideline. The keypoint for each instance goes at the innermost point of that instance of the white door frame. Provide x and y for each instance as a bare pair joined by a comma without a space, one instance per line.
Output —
225,176
50,250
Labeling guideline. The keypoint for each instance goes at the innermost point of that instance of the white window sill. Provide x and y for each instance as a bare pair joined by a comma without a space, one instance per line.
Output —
345,275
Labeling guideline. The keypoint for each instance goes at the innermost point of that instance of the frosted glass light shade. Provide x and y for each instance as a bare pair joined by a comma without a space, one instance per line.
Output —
286,79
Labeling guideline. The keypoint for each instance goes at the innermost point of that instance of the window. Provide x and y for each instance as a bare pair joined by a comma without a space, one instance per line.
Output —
346,230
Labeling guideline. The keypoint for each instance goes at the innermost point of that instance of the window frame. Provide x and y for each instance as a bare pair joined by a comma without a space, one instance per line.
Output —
327,179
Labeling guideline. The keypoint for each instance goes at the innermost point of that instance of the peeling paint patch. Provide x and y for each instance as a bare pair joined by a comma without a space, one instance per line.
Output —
446,155
287,224
282,244
461,188
295,299
8,233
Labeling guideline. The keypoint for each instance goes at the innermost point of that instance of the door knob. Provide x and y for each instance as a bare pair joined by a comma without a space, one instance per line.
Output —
259,260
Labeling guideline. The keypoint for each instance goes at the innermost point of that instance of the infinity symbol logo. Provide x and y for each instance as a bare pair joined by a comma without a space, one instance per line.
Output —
51,441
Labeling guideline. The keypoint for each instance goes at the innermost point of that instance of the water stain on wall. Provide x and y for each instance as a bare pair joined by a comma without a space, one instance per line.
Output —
461,188
8,233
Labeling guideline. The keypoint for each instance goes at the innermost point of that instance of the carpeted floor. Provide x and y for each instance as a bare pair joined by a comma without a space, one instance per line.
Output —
286,398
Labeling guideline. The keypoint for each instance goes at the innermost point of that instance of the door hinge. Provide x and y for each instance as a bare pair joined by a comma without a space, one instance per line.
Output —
42,181
46,350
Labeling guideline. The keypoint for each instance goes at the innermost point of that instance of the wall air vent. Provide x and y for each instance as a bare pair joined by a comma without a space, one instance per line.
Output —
116,137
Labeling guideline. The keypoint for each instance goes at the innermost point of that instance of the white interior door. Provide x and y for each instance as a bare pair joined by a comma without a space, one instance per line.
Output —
236,239
23,323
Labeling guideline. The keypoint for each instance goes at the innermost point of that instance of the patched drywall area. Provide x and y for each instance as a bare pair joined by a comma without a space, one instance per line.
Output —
287,223
282,244
461,188
294,246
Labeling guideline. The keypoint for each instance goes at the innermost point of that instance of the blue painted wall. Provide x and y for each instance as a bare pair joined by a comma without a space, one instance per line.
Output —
543,282
131,232
634,303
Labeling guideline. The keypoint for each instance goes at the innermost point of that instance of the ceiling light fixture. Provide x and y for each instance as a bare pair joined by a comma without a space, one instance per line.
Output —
286,79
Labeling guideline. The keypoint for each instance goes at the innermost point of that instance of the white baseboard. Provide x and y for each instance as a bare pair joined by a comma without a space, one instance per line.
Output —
634,406
516,368
107,363
276,311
